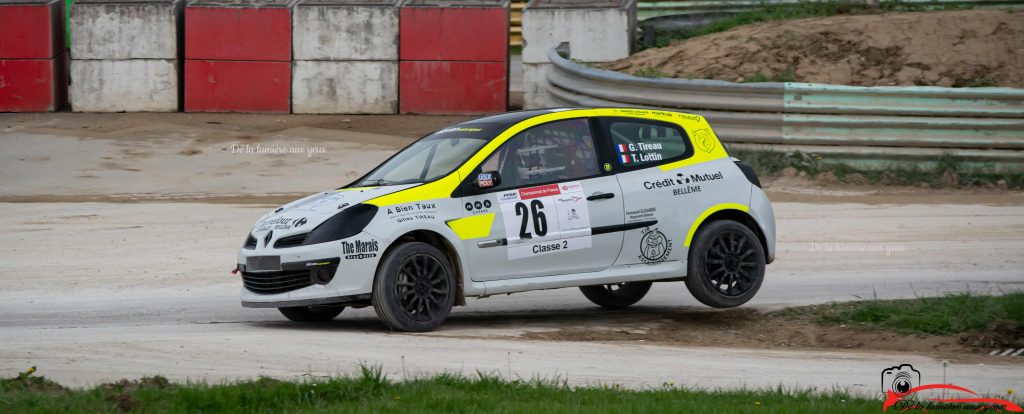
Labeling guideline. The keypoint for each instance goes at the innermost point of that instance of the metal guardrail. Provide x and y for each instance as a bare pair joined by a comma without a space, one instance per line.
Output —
985,126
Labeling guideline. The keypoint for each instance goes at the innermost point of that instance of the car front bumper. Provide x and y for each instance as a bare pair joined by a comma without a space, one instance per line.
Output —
305,275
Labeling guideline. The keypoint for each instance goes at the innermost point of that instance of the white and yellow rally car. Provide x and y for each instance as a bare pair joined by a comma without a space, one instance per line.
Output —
607,200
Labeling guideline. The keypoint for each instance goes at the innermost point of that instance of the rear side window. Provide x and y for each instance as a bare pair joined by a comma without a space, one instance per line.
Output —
642,143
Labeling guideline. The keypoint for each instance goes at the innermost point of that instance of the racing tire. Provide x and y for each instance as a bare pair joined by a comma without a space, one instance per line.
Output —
315,313
616,295
414,290
726,264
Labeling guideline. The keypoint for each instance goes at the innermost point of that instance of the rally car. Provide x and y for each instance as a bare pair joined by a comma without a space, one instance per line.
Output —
607,200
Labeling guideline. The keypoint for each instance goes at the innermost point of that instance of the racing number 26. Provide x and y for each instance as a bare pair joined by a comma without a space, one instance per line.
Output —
540,221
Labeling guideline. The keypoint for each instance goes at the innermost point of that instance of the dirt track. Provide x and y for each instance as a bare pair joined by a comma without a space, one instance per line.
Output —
102,290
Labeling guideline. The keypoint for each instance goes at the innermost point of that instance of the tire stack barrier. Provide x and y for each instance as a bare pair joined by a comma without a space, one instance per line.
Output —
454,56
238,56
601,31
33,58
346,57
125,55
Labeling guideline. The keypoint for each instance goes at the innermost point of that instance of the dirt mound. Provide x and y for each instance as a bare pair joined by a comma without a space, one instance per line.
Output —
940,48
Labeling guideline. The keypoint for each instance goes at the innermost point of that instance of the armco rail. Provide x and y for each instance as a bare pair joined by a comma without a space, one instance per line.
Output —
872,125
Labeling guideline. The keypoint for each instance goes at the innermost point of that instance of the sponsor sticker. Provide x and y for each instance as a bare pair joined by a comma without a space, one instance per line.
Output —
702,139
643,214
359,249
683,184
654,246
485,180
426,210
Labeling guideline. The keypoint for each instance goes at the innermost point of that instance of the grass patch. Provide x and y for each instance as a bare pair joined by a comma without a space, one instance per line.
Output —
951,314
446,393
802,10
948,171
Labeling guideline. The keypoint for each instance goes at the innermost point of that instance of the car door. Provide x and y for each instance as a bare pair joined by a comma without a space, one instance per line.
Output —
547,194
658,204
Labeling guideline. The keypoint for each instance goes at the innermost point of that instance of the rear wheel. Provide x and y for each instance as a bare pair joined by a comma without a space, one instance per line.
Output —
617,295
315,313
726,265
415,288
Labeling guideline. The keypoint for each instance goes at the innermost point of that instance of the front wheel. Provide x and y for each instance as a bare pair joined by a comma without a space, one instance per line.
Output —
415,288
315,313
618,295
726,264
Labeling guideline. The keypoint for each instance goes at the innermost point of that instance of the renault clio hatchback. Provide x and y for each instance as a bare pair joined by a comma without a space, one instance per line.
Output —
607,200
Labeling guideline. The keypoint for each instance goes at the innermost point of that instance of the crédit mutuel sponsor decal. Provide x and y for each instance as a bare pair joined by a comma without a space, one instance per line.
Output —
902,385
683,184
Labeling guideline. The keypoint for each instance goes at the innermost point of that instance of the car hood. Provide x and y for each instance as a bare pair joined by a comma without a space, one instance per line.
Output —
305,214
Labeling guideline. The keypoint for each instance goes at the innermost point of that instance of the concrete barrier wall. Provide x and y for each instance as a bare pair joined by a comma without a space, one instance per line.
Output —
345,30
105,29
345,87
130,85
124,55
346,57
33,58
601,30
453,56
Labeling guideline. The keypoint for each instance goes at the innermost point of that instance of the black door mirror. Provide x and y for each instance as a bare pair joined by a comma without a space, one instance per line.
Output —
487,179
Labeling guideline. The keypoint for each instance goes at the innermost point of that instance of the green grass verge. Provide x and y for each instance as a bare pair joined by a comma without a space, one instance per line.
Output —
373,392
948,170
802,10
950,314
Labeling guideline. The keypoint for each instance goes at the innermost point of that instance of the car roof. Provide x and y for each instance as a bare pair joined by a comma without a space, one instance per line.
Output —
508,119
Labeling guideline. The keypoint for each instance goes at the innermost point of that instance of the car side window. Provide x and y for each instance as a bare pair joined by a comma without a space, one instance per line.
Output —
641,143
548,153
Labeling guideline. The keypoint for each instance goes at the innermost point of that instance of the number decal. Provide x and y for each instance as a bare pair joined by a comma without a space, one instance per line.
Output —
551,219
540,221
522,211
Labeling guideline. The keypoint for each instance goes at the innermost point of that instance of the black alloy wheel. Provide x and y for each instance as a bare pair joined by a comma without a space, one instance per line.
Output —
726,264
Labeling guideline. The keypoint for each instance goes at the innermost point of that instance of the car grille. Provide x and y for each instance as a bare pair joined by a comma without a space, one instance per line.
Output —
269,283
290,241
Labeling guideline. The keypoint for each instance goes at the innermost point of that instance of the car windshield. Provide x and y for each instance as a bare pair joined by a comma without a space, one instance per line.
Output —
432,157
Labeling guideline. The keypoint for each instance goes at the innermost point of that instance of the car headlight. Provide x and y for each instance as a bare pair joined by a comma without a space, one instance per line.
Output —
343,225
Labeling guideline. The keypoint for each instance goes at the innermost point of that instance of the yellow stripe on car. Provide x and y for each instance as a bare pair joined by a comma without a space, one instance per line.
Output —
714,209
472,227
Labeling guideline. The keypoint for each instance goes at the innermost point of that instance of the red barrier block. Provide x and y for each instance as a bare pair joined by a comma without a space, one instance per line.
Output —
454,30
433,87
253,30
33,85
31,29
237,86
